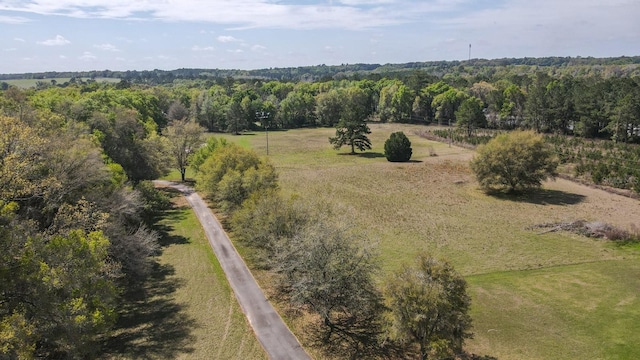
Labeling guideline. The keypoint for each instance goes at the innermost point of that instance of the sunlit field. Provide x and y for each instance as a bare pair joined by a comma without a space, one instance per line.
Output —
535,296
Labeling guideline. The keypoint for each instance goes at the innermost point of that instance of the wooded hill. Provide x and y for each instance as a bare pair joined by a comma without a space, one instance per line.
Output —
484,69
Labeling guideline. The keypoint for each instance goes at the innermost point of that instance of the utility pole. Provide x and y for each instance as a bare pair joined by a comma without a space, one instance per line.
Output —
262,116
469,52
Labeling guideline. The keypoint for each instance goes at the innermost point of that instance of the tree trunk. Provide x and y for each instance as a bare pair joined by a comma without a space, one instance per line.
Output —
183,172
353,148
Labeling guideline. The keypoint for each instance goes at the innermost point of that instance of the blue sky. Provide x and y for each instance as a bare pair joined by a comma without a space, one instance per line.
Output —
73,35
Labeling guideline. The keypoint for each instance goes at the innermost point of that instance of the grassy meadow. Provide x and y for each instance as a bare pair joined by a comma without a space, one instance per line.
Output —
535,296
29,83
186,310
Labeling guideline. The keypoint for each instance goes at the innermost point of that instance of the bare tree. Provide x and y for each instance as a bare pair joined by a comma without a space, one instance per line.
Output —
184,137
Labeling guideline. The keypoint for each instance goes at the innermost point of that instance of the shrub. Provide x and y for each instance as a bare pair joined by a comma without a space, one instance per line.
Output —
398,147
515,161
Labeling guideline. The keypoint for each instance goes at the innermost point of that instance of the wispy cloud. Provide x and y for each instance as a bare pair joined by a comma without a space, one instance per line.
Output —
107,47
13,20
87,56
59,40
19,39
202,48
226,39
313,14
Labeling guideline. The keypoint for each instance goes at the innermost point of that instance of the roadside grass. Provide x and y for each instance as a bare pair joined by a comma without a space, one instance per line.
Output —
186,310
433,204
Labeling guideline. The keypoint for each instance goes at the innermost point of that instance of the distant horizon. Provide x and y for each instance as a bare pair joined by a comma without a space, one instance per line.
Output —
77,35
317,65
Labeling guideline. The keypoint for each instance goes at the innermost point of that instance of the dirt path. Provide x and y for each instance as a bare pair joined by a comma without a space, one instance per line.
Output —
271,331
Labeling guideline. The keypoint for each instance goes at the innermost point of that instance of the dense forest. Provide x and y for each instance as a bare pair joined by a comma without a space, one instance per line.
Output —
76,157
482,68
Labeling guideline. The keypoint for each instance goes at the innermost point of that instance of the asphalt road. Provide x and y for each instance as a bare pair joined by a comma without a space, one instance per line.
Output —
275,337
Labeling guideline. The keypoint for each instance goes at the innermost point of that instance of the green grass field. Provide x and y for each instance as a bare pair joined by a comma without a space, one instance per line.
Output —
535,296
186,310
29,83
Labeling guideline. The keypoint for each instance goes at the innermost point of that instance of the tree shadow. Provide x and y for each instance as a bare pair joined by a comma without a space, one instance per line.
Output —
408,162
371,155
164,231
542,197
151,323
366,155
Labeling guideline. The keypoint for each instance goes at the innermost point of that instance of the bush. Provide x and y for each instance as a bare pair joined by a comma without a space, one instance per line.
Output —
398,147
515,161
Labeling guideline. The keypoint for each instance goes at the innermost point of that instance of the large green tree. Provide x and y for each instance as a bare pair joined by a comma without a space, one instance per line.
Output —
352,129
515,161
330,270
470,116
430,307
185,137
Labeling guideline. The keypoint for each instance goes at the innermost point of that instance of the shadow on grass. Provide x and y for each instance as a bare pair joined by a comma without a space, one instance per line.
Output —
166,238
151,323
366,155
542,197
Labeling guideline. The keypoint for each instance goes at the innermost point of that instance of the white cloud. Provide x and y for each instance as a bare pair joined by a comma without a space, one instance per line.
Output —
202,48
62,57
13,20
19,39
59,40
87,56
10,49
258,48
226,39
107,47
312,14
236,51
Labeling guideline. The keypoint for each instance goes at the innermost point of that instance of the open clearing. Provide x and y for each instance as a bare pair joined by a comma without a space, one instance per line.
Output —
29,83
535,296
186,310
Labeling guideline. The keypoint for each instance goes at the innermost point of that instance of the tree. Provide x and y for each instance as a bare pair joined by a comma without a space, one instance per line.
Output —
184,138
330,270
515,161
430,306
398,147
536,104
177,111
329,106
446,104
352,129
352,133
470,116
232,174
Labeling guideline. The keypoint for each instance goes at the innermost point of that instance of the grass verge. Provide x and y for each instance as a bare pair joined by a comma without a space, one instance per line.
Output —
186,309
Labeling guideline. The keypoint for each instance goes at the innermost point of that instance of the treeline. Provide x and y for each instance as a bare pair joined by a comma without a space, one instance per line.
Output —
75,209
586,106
616,66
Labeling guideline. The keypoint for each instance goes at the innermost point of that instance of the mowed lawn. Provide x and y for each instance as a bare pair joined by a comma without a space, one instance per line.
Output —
186,310
535,296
